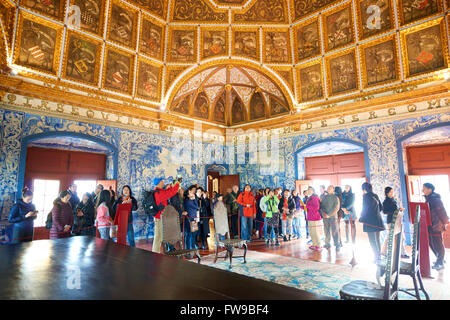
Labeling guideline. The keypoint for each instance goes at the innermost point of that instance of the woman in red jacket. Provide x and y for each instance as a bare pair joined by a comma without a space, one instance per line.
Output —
62,216
247,201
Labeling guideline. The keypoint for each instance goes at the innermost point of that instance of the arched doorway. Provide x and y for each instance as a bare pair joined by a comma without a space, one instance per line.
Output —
51,161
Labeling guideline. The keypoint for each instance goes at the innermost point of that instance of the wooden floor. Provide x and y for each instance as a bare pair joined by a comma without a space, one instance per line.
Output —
300,249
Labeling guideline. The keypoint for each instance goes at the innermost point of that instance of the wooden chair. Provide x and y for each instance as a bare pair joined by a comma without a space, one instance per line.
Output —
171,234
365,290
412,268
222,229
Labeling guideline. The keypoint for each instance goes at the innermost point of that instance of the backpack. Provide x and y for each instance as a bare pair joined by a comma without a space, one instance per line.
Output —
49,221
149,203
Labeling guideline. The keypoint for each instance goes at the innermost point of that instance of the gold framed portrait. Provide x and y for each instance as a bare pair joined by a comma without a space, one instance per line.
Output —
338,27
276,46
307,41
424,48
122,24
310,81
38,44
182,44
149,80
374,17
342,72
152,35
213,42
82,58
118,70
380,63
245,42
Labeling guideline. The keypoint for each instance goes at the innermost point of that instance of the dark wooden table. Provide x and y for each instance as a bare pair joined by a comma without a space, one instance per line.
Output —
48,269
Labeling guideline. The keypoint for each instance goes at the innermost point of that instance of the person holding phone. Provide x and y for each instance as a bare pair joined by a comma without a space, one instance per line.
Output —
62,217
22,215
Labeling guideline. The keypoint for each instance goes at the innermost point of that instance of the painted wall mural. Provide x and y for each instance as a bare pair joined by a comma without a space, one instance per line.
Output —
338,28
119,70
142,156
214,43
51,8
374,20
311,81
122,25
342,72
246,43
307,38
183,45
413,10
276,46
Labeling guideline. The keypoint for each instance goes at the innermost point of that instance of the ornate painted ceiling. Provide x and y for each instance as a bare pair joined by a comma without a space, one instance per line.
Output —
226,62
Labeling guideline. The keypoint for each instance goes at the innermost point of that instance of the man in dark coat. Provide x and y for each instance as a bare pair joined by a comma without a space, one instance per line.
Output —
74,200
439,220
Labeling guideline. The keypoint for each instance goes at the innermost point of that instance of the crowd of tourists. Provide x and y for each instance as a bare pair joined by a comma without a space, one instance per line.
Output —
264,214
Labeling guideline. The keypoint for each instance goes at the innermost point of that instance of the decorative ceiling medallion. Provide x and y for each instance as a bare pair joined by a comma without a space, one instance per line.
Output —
425,48
152,35
82,58
380,63
370,25
38,43
122,24
213,42
51,8
276,46
338,27
265,12
149,80
92,15
245,43
182,44
196,11
119,71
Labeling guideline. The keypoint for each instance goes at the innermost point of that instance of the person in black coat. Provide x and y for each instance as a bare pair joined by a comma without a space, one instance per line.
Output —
205,216
348,206
74,200
371,218
84,217
340,214
127,197
22,215
439,221
389,207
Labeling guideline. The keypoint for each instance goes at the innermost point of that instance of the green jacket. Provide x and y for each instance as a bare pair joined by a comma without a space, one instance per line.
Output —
234,207
272,206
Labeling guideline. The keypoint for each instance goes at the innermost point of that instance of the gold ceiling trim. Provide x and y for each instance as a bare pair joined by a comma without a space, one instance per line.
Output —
196,11
255,13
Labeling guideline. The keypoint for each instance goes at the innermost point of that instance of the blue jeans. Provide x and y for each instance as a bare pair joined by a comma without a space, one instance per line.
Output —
265,229
130,235
190,240
296,227
104,233
246,227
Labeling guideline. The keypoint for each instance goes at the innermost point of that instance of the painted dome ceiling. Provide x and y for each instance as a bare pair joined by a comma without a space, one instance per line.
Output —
230,95
203,59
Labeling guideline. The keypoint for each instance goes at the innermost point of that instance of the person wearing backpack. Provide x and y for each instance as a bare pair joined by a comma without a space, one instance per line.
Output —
161,196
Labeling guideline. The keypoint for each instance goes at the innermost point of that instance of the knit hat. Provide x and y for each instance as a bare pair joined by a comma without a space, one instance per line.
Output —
156,181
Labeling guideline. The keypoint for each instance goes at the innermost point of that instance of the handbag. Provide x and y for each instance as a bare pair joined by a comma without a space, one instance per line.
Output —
193,225
113,231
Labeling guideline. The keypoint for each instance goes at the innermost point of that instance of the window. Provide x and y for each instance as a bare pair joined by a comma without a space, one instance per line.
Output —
85,186
45,192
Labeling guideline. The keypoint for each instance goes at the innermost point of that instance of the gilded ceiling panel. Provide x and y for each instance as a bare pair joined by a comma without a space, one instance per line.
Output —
264,11
196,11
